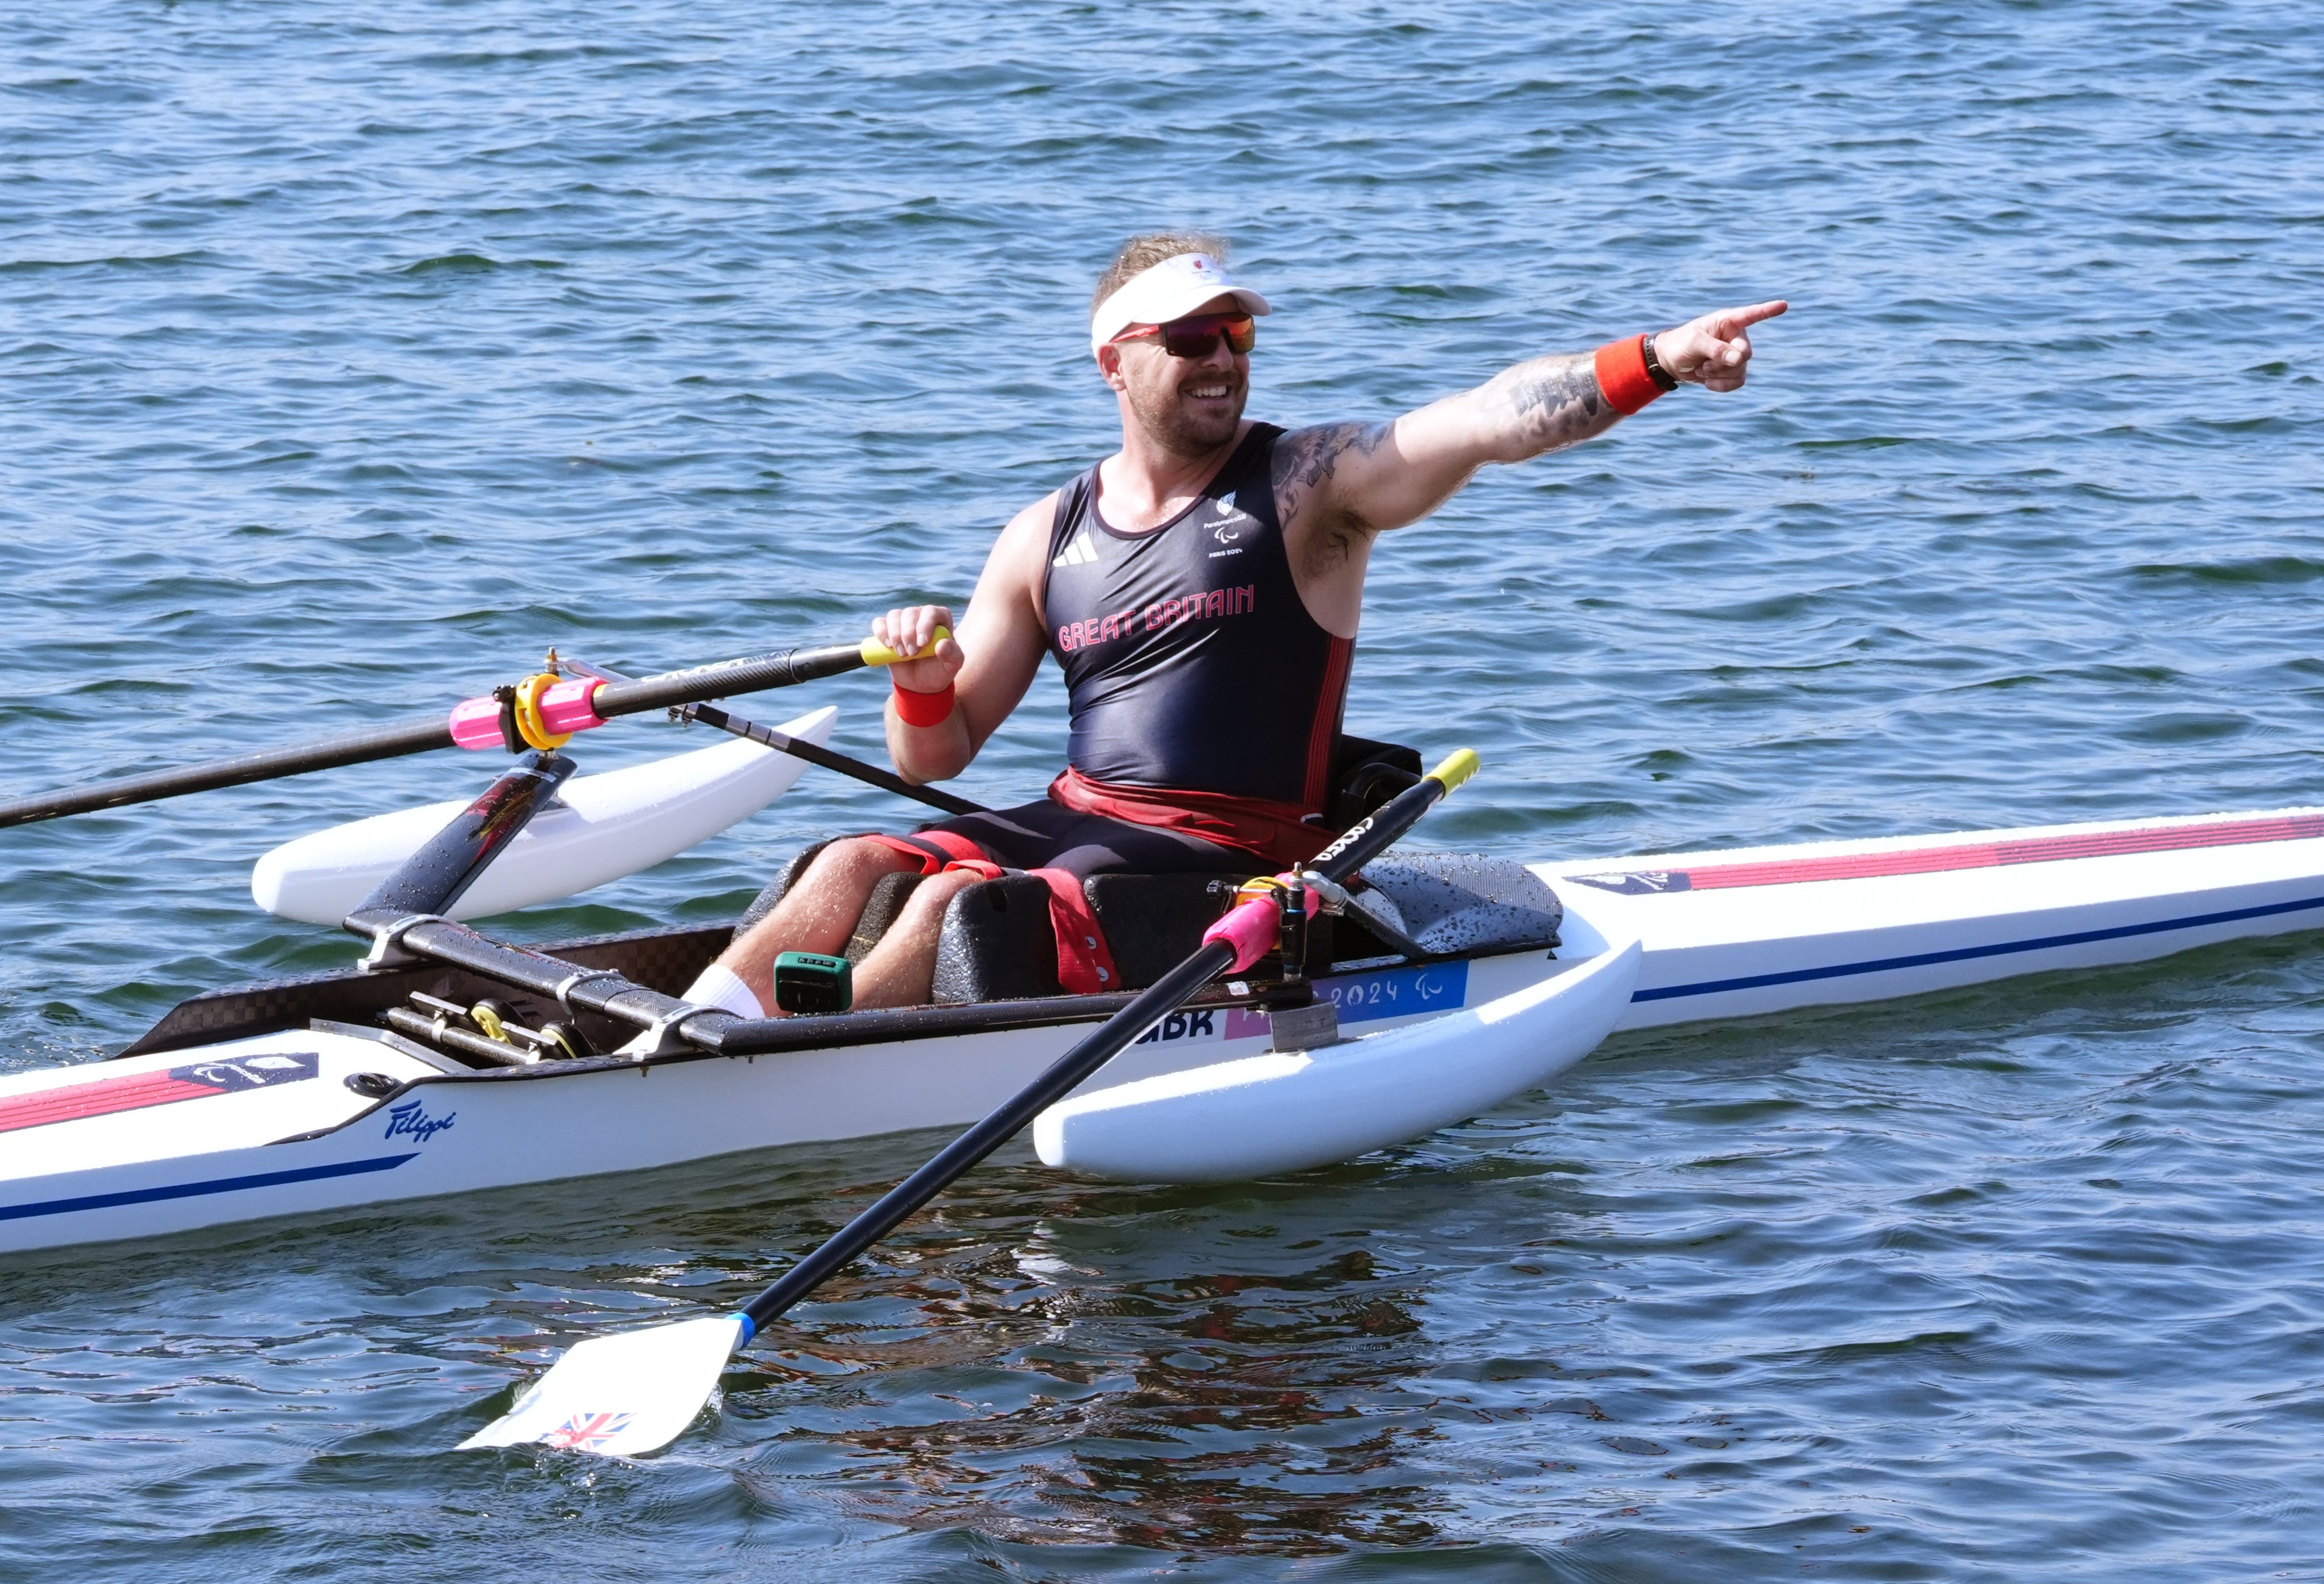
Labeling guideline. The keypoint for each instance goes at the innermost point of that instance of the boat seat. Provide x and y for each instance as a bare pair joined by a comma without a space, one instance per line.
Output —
1153,922
1368,774
998,943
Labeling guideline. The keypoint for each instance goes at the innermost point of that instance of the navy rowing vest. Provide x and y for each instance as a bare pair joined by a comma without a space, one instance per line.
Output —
1190,662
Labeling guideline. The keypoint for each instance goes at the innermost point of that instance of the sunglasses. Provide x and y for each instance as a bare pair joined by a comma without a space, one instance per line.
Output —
1195,337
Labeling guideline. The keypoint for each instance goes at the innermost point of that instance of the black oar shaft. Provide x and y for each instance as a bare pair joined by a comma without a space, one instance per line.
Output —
711,715
1363,843
1382,828
726,679
266,765
870,773
672,688
1061,1079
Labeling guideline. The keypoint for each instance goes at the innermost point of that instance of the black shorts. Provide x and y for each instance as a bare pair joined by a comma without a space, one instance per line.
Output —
1050,835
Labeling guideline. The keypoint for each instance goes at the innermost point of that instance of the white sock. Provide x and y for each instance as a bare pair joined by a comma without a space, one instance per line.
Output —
716,986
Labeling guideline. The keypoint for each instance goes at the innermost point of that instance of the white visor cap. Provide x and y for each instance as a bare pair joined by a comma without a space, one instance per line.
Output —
1170,290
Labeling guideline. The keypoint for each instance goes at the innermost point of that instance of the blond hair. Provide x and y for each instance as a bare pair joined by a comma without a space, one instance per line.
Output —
1143,252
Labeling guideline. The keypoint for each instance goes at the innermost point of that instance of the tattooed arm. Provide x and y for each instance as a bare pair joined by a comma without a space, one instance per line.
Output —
1337,484
1350,478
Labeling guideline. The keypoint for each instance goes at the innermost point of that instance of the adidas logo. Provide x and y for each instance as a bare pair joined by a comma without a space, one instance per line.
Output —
1079,553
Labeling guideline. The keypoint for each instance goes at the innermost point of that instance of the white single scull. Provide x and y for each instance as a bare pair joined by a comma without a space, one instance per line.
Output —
320,1118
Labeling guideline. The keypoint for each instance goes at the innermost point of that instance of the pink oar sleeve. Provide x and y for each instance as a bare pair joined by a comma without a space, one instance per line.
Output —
571,707
476,722
1252,928
568,707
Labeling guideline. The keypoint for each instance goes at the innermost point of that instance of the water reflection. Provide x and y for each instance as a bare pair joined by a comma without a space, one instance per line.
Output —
996,1382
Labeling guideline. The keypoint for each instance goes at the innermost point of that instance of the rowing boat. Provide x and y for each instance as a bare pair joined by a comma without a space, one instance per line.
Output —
313,1096
1253,1024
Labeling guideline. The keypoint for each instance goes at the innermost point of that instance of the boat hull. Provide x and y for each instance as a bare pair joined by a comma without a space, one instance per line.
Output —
443,1132
1722,935
1744,933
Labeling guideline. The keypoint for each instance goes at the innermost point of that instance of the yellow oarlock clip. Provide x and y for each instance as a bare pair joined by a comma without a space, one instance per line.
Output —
1457,767
528,723
1258,886
483,1015
876,653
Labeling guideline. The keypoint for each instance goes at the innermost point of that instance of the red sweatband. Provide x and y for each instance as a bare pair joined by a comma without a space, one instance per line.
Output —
1622,374
922,709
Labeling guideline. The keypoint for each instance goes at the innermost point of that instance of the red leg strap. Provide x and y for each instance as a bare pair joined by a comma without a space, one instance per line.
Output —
1084,965
936,849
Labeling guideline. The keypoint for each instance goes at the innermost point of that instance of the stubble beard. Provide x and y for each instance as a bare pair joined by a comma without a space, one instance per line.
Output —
1171,423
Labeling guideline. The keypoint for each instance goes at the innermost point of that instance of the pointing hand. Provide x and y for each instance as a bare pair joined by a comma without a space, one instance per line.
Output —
1715,350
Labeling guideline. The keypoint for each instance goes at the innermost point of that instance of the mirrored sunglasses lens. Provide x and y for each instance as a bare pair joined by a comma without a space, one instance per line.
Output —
1196,337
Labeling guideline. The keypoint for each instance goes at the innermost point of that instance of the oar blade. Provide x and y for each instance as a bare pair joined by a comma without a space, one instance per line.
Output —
623,1396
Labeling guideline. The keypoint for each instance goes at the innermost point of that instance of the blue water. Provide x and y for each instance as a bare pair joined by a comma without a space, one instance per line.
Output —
353,355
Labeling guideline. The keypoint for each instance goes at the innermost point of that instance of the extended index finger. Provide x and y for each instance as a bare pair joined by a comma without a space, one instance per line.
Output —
1735,319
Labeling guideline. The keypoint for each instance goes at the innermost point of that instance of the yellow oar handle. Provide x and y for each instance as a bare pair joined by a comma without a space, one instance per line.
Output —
1456,769
876,653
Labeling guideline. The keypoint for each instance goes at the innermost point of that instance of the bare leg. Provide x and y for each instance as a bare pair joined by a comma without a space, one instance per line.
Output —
899,970
819,913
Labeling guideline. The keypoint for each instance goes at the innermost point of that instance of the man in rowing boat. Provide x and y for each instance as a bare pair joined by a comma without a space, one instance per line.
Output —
1201,588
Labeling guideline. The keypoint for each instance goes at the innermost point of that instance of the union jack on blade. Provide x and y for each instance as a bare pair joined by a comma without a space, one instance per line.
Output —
583,1431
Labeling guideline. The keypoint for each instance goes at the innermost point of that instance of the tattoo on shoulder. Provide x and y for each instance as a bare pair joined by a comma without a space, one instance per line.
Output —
1304,458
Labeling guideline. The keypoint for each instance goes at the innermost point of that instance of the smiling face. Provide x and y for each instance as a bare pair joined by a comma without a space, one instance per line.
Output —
1188,406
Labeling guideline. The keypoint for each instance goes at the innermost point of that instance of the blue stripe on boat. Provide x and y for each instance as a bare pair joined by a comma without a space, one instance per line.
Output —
386,1163
2003,949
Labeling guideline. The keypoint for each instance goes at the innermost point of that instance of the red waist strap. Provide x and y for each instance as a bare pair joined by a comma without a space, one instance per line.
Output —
1277,834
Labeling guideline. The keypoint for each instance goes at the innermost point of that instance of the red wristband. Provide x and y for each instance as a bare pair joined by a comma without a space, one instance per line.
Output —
922,709
1622,374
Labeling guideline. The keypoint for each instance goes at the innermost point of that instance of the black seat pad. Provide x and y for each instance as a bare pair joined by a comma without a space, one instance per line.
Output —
1153,922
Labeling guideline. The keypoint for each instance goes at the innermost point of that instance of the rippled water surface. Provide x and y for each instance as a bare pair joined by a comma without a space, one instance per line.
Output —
353,356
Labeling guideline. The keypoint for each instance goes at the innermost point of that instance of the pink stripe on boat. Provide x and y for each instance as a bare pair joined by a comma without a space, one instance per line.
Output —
1937,860
100,1098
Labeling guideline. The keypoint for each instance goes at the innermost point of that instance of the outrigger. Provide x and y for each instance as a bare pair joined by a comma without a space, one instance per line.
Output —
1265,1023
